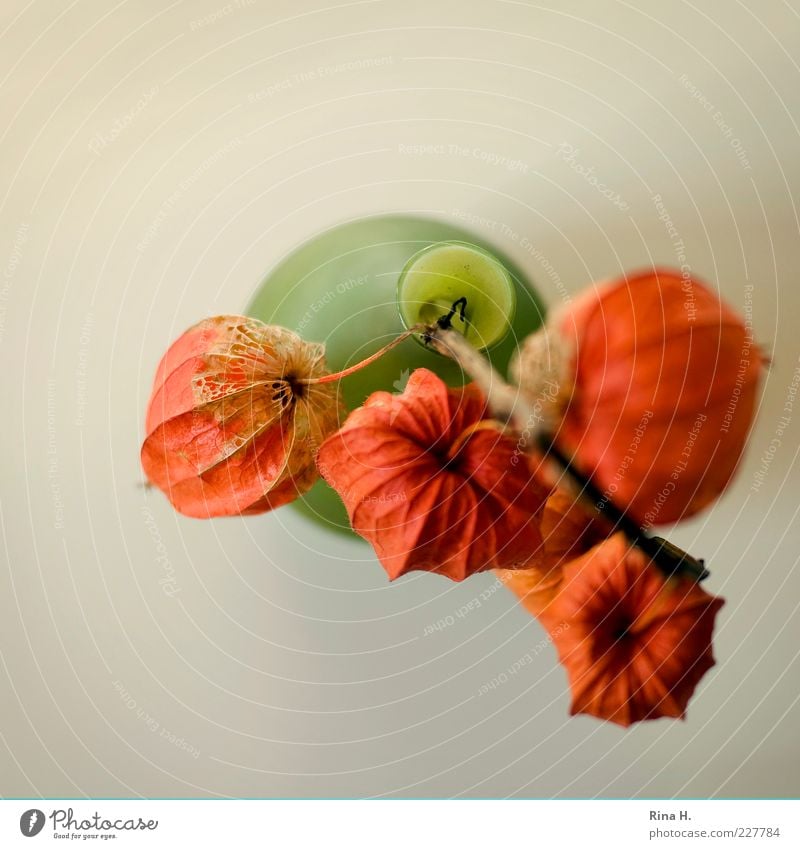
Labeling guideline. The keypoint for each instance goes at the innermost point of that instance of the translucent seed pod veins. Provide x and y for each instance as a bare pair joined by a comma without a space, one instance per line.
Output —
232,428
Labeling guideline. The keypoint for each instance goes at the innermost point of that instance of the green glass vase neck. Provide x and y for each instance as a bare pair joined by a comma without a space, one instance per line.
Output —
462,282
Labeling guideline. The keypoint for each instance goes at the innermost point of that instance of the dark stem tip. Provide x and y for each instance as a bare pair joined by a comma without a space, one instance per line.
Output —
445,322
669,558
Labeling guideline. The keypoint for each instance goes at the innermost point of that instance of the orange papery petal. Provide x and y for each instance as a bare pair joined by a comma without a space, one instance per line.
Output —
568,531
429,489
635,644
229,429
568,528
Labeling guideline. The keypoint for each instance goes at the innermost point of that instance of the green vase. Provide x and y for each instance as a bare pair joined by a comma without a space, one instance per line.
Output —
341,287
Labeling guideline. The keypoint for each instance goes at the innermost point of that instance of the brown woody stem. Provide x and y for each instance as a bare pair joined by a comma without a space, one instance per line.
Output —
506,402
665,555
329,378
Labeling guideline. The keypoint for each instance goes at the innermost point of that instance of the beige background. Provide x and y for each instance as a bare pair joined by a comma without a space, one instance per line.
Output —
156,161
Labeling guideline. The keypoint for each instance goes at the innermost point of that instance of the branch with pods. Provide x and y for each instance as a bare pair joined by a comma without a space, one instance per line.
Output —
624,411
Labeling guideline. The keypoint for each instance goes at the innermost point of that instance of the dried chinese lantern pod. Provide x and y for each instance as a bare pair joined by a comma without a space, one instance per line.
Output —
231,427
649,384
634,644
433,484
568,531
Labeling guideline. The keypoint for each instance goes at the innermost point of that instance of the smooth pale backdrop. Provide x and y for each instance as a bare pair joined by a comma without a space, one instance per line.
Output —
156,160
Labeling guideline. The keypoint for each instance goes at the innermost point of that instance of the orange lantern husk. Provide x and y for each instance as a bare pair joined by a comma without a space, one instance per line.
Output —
433,483
656,384
231,428
635,644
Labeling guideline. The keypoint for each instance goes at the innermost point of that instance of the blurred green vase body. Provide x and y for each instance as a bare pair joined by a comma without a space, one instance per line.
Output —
341,288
